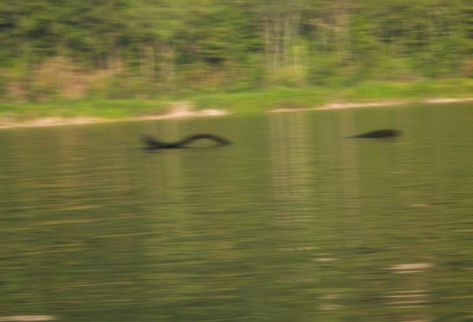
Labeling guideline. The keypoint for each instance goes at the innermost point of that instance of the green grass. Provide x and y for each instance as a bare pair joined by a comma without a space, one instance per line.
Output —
307,97
113,109
248,102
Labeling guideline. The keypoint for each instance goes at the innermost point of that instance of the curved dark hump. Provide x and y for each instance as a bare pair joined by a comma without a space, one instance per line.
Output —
378,134
218,139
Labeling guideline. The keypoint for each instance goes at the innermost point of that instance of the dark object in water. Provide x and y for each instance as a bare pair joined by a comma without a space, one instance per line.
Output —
153,143
378,134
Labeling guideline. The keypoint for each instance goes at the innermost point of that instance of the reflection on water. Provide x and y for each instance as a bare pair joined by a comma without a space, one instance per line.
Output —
291,223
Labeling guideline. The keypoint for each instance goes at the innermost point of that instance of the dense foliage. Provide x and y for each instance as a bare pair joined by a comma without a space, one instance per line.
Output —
142,48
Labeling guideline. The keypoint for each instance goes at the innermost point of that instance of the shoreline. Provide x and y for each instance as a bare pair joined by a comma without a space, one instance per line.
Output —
84,120
182,113
384,103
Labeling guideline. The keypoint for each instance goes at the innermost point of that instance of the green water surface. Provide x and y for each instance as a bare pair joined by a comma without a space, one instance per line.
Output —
292,222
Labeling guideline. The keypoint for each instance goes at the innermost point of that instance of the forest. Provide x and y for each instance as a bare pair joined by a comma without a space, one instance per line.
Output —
123,49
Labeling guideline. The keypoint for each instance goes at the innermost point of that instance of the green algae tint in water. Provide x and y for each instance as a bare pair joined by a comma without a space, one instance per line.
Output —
290,223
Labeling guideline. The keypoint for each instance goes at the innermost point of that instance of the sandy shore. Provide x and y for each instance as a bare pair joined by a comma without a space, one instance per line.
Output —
6,123
185,111
337,106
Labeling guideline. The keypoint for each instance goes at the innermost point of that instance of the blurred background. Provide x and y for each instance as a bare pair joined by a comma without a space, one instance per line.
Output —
117,49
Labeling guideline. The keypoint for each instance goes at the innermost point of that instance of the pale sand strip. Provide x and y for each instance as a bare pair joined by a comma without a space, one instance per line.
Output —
187,112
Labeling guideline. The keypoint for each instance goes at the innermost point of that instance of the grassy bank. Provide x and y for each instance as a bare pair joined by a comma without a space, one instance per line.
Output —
256,101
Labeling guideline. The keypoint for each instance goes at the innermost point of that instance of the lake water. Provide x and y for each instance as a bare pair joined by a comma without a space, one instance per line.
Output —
290,223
